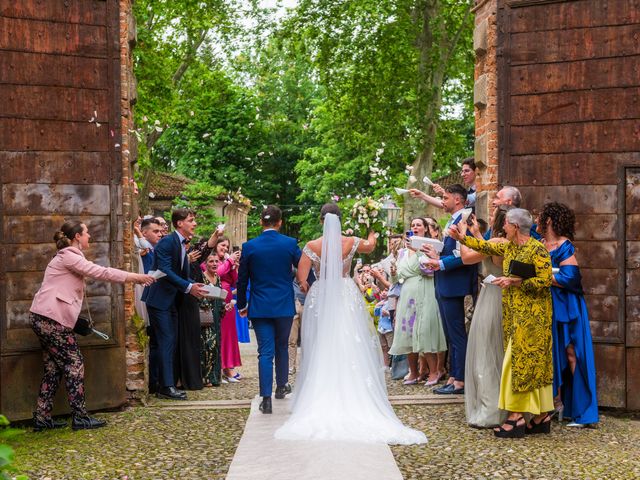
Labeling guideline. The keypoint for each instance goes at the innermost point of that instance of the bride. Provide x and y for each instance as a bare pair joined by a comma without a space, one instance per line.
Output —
340,388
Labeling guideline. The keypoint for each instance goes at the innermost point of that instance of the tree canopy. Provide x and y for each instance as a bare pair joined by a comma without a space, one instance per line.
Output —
330,101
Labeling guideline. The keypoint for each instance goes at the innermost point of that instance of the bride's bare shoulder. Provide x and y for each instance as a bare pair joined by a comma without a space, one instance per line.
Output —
316,245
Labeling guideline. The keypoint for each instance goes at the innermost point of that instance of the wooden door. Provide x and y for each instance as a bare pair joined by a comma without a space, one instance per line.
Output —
59,126
569,125
632,290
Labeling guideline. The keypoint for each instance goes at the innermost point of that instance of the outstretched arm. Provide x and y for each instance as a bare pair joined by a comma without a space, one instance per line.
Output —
436,202
368,245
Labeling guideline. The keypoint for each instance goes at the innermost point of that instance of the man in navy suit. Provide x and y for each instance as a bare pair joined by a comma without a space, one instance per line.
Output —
161,297
453,282
267,262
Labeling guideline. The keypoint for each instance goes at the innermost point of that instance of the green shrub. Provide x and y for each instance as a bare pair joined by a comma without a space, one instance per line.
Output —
6,452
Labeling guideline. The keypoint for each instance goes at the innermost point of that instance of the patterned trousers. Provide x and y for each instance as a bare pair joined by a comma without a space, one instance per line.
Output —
61,356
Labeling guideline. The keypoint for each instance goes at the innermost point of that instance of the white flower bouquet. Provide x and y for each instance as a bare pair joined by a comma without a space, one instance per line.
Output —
364,216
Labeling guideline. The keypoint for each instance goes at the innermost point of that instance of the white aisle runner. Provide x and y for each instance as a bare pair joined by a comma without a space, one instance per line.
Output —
261,456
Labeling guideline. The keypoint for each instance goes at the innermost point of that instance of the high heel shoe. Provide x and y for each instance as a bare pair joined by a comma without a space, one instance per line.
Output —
544,426
517,431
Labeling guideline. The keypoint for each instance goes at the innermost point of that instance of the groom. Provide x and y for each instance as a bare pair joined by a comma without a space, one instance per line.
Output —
267,262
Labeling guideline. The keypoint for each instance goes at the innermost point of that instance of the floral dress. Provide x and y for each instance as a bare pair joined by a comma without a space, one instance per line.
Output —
527,370
210,339
418,327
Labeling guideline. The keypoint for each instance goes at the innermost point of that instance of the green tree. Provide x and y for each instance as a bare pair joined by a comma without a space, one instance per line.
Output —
387,70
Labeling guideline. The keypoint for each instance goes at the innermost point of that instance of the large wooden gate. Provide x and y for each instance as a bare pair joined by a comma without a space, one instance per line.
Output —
569,130
59,126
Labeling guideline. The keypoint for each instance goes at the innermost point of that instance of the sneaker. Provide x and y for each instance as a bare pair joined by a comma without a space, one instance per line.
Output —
85,422
40,423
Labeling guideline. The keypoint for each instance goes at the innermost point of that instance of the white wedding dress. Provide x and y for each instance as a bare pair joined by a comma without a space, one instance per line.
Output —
340,392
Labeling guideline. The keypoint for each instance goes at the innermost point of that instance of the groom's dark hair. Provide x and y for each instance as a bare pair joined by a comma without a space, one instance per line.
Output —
270,216
330,208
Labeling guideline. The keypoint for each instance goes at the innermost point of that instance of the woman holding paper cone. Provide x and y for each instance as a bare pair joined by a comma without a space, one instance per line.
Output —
574,370
210,335
54,312
418,328
527,369
485,351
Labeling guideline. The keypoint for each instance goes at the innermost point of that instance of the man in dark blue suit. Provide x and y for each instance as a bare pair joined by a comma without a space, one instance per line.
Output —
151,231
267,262
454,281
161,297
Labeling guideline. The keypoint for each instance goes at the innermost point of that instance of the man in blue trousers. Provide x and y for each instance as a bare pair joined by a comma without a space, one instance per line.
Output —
454,281
267,262
161,297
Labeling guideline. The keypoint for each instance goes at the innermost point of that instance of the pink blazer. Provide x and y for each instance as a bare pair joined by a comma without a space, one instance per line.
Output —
60,296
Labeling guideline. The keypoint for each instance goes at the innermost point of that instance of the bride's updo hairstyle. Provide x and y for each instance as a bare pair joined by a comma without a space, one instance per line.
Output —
330,208
67,233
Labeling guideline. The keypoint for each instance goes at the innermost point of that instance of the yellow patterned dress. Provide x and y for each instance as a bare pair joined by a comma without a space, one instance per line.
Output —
527,370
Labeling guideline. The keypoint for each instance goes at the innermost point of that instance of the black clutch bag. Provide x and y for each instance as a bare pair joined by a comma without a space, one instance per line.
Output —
521,269
83,326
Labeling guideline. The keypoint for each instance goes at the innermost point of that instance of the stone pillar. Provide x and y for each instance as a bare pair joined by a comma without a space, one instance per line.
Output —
135,350
485,98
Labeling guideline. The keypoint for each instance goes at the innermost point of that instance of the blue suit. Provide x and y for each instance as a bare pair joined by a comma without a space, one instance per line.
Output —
147,261
161,298
452,284
267,261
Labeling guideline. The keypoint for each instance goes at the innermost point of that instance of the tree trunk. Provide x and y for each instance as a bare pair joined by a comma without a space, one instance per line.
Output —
436,49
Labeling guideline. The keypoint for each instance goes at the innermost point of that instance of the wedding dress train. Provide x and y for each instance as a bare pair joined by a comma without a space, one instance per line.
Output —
340,392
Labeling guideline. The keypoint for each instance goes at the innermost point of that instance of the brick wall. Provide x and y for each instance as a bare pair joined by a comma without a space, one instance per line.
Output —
135,352
485,99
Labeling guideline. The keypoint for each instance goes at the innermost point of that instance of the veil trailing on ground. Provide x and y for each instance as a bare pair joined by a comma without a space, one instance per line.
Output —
340,392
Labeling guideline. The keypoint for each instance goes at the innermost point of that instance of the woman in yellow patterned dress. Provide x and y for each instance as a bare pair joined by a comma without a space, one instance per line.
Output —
527,369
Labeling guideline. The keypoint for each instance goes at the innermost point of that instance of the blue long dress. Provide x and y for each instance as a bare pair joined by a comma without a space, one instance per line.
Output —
242,324
571,326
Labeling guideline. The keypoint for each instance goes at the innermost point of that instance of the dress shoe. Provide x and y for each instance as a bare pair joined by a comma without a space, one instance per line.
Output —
171,393
265,405
40,424
281,392
85,422
444,389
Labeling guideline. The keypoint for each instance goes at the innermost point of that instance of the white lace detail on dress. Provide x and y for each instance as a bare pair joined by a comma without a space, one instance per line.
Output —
346,262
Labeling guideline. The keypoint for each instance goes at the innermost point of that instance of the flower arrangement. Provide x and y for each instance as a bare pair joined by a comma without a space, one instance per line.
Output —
364,216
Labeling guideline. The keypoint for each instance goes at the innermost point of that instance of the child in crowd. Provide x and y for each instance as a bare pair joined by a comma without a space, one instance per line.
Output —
385,327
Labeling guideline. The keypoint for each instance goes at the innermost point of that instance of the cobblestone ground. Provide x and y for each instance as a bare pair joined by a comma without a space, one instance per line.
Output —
456,451
138,444
157,443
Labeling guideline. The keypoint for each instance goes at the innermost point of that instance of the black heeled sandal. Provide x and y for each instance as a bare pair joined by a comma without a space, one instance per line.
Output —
544,426
517,431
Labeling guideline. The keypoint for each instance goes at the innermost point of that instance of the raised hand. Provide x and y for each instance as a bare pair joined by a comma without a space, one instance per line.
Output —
194,255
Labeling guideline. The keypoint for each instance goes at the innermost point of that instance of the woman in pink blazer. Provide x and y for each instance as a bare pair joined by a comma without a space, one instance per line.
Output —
54,313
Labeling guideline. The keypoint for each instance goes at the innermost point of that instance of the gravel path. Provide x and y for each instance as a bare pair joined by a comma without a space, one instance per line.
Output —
145,443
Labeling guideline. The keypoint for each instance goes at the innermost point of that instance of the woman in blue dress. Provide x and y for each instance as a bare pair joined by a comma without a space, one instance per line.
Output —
574,372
